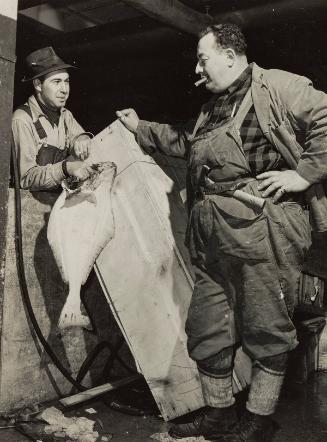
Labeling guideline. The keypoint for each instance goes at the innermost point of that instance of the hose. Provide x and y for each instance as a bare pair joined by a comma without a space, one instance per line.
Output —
85,367
22,276
27,301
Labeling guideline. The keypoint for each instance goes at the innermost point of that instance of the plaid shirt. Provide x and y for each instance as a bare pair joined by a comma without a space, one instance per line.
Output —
261,155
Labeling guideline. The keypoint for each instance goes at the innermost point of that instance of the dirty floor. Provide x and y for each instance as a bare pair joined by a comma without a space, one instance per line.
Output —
302,416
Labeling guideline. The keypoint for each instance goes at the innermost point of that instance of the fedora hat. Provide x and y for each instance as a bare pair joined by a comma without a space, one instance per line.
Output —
42,62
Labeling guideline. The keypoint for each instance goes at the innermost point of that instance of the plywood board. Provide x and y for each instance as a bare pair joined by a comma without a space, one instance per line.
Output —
145,274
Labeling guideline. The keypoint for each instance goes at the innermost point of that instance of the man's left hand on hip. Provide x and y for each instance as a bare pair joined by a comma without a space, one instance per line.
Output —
281,183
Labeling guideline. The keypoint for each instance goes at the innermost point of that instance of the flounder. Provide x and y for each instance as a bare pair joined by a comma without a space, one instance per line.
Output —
81,223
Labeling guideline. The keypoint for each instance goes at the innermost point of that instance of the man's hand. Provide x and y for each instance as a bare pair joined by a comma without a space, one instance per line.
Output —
129,118
79,169
281,182
82,147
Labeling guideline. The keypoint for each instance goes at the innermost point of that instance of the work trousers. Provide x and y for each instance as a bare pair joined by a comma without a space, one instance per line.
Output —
247,300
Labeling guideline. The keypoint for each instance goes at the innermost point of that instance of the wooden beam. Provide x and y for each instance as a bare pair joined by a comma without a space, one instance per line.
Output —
274,12
97,391
38,30
173,13
145,44
176,14
142,38
26,4
141,35
105,32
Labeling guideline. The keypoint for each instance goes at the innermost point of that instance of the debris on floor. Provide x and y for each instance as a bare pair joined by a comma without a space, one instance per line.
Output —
91,411
26,414
75,428
164,437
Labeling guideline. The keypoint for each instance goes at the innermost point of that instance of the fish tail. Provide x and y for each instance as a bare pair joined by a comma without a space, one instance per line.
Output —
71,315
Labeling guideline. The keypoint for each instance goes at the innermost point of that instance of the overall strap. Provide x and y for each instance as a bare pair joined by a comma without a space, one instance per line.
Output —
37,124
243,109
47,154
40,129
26,108
66,128
205,111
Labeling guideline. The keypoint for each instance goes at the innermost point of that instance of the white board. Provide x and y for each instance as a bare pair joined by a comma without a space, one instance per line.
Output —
144,275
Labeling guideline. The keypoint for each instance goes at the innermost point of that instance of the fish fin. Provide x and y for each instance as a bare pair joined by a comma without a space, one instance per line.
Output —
79,197
91,198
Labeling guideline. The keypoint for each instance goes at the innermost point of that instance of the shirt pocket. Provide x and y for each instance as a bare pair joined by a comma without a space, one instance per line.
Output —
209,153
217,156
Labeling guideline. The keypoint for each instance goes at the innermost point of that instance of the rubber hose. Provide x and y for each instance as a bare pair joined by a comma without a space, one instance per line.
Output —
26,298
22,277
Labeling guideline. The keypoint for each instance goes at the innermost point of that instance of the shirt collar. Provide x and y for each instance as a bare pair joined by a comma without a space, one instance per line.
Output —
238,83
52,115
36,110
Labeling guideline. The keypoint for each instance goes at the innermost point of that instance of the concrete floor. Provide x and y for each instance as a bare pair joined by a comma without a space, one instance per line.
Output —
302,415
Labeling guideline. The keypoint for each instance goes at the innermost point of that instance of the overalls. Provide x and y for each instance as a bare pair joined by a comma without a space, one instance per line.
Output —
247,262
48,154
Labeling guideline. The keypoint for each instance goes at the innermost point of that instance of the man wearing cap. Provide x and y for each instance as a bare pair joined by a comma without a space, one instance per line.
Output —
47,137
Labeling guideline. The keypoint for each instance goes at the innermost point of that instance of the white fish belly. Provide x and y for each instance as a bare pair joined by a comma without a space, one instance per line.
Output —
78,230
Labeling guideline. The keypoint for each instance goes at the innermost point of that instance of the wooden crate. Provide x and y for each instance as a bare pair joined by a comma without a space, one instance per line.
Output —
322,351
305,359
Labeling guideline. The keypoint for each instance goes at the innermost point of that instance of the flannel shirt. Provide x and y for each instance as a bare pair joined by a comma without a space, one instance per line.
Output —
261,154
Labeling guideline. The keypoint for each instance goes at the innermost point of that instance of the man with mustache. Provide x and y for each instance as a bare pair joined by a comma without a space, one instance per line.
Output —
264,133
45,133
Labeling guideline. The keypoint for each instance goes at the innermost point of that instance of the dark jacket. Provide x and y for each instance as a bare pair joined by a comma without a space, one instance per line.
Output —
292,115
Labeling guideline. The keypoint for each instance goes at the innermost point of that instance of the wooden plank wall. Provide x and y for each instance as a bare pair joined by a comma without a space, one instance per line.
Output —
8,19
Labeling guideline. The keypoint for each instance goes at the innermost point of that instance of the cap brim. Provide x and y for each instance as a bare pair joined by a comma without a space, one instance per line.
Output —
47,71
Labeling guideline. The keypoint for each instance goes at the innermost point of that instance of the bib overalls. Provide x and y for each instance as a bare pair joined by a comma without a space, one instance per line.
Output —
48,153
247,262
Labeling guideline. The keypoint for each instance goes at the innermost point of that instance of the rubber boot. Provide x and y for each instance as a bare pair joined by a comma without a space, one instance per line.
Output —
252,428
211,424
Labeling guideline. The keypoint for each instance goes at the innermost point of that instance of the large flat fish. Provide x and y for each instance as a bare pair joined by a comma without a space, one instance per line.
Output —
81,223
